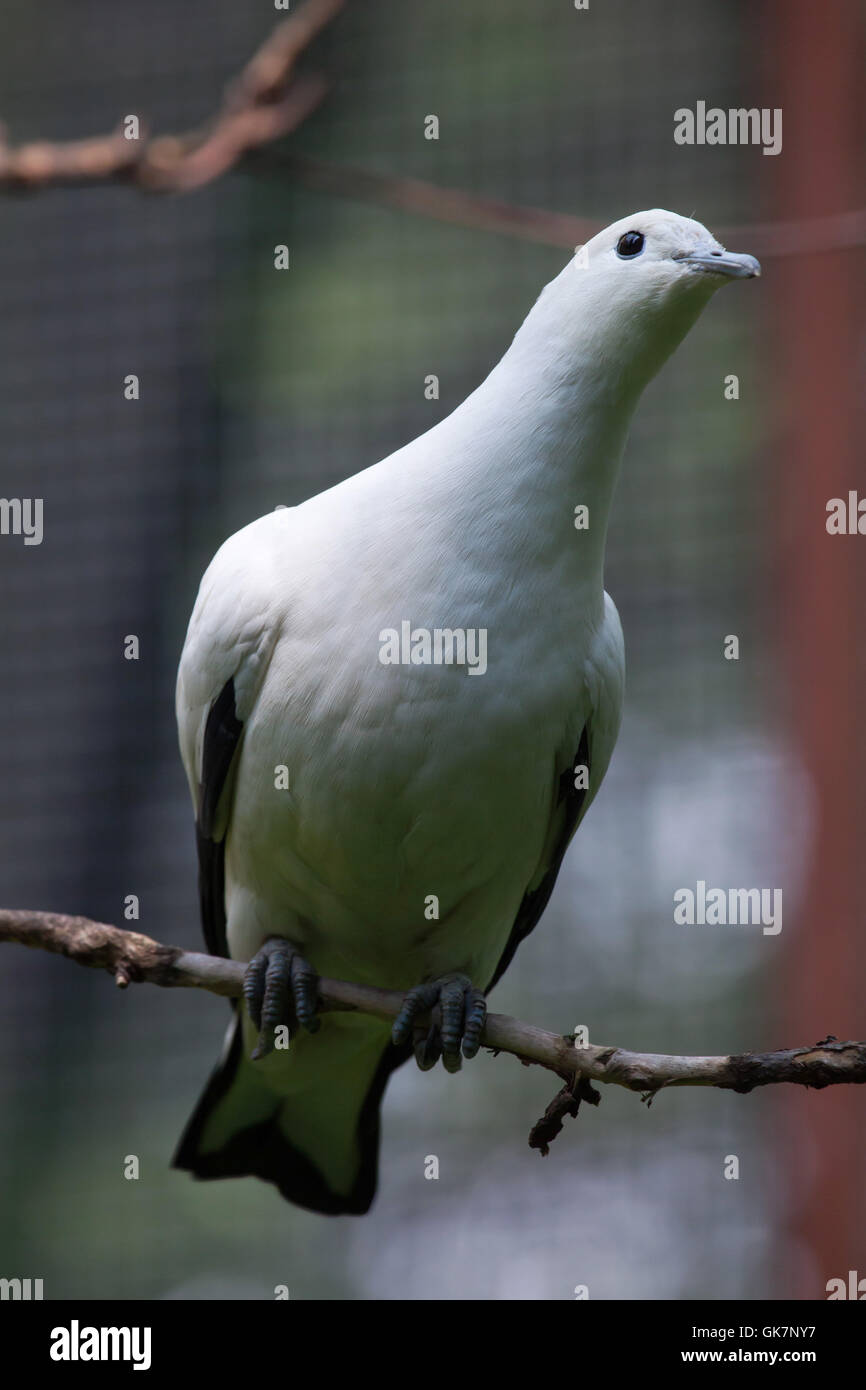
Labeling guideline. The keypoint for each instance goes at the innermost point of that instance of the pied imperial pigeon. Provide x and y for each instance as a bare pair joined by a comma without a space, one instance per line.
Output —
396,703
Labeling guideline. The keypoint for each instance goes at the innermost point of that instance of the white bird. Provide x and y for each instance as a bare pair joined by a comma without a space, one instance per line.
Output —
368,812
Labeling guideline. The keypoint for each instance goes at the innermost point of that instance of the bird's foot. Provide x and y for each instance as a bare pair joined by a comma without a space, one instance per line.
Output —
457,1015
280,988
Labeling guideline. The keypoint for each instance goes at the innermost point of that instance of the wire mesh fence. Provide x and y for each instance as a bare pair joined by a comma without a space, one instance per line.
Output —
259,388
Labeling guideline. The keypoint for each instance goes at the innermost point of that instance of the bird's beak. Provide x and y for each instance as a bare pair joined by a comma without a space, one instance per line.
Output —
733,265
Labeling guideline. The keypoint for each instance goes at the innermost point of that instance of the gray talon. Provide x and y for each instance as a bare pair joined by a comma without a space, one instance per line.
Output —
280,988
458,1013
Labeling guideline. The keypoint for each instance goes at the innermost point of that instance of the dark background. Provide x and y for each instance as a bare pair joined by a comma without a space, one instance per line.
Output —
260,388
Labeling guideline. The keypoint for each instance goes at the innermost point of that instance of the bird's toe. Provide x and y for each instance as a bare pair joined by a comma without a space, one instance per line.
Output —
445,1018
280,989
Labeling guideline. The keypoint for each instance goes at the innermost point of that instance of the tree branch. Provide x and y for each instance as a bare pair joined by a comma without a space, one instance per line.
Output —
263,103
837,232
132,957
268,101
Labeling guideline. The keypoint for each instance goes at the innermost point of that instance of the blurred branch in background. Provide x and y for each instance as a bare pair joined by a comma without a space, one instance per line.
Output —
268,100
265,102
132,957
835,233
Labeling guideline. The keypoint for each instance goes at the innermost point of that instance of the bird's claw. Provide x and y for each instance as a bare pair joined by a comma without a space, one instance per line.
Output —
458,1012
280,988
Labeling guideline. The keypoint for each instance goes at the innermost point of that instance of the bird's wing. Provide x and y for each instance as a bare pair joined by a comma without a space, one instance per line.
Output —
229,642
222,736
601,698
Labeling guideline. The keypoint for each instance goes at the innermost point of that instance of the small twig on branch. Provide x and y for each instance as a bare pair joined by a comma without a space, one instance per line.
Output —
265,102
565,1102
134,958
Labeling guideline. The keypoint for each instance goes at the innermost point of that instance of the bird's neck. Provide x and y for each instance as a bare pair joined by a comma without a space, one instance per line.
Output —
550,422
551,427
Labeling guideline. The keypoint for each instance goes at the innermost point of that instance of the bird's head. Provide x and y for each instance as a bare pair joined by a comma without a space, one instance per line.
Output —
632,293
659,253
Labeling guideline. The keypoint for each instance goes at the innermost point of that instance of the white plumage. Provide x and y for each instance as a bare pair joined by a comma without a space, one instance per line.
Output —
412,780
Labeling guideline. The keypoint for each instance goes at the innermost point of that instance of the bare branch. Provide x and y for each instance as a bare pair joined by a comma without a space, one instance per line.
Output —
268,101
434,201
265,102
132,957
839,232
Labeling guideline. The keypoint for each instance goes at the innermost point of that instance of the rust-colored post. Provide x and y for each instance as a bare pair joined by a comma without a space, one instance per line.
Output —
815,68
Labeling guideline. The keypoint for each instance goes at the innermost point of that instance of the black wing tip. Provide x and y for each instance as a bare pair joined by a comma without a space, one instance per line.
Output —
222,736
534,902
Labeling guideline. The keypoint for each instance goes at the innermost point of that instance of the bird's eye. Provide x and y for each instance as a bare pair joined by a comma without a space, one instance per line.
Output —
630,244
